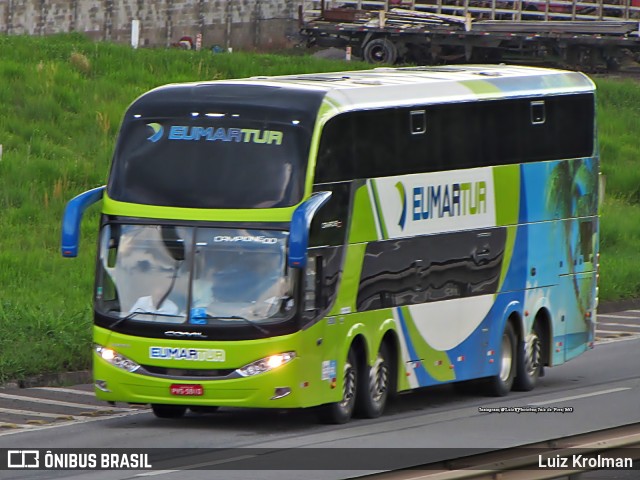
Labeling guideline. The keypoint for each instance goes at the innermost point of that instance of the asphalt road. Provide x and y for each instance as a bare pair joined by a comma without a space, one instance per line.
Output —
598,390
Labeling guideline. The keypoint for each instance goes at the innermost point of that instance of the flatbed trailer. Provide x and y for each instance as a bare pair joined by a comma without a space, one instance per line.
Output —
588,36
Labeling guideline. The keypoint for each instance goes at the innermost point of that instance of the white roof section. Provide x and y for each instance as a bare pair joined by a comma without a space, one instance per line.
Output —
384,87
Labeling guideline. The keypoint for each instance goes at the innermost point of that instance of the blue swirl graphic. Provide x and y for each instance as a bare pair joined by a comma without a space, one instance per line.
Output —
403,200
158,130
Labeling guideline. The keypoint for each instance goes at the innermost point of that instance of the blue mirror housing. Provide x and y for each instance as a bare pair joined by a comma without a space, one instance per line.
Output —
72,217
300,223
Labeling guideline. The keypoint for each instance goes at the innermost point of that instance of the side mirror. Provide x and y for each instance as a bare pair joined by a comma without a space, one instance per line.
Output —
300,224
72,217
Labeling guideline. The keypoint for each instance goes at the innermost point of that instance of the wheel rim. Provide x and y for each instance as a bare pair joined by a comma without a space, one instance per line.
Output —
379,379
349,387
507,359
378,54
532,354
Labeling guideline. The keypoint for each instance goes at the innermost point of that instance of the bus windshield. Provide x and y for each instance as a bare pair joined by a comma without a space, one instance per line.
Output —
192,275
213,160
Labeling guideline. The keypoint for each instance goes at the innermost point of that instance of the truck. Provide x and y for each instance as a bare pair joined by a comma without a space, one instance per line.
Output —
590,35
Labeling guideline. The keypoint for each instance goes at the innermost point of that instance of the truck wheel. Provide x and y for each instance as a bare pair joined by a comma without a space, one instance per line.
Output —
501,384
341,412
380,50
168,411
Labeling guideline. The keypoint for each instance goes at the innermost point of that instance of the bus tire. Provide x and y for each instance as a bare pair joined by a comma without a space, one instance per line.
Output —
168,411
374,385
341,412
529,361
380,50
501,384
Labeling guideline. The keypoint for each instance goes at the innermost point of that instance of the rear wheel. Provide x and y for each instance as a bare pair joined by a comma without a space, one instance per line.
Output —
529,363
501,384
341,412
380,50
168,411
374,386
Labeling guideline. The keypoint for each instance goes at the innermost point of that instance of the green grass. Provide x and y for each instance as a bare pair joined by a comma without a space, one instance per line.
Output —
62,99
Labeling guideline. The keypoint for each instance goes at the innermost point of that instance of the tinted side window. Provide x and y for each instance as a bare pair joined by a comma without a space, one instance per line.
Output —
385,142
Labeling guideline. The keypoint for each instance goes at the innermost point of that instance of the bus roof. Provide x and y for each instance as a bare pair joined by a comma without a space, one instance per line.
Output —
367,89
382,87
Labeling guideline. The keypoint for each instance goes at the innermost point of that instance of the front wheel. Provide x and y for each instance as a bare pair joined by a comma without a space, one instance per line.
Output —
168,411
341,412
501,384
373,389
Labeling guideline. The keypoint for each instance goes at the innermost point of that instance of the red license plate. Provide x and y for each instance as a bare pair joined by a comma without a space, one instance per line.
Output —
187,390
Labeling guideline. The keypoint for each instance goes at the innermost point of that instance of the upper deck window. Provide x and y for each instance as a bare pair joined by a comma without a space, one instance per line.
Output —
211,160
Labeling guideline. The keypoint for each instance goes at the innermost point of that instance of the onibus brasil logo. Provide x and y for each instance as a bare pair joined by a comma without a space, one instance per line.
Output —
213,134
431,202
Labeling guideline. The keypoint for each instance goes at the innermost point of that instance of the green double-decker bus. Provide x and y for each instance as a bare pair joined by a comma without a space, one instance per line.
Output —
329,240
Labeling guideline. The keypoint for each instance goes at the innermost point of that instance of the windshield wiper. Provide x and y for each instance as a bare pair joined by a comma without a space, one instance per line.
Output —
141,312
237,317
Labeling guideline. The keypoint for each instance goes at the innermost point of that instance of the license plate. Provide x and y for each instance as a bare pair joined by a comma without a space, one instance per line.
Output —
187,390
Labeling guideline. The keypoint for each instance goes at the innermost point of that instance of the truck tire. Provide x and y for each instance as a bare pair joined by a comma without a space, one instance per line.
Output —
380,50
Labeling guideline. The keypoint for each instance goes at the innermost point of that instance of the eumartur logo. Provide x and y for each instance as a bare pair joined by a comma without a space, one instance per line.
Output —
403,201
158,130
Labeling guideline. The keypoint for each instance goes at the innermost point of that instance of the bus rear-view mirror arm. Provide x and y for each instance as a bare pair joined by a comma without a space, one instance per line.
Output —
300,224
72,217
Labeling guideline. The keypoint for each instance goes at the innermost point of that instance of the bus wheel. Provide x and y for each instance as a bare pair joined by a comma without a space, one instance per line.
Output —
373,389
341,412
168,411
529,363
380,50
501,384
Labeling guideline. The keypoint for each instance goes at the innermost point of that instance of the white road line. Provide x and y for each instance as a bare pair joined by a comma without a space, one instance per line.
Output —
65,390
634,311
29,413
155,472
575,397
627,317
615,331
31,427
197,465
618,325
58,402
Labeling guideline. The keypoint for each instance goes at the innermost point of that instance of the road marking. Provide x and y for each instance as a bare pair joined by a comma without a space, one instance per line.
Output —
626,317
575,397
618,325
59,403
634,311
615,331
197,465
65,390
31,413
23,427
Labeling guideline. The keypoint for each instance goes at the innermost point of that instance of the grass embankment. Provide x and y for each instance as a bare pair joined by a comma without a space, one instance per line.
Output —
62,99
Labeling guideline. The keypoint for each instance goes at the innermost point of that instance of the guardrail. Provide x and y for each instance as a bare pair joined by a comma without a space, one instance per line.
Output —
532,462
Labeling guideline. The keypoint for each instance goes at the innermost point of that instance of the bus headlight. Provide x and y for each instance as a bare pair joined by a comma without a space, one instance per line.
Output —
266,364
115,359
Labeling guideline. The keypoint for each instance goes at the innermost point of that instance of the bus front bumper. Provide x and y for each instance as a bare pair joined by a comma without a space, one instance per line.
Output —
275,389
